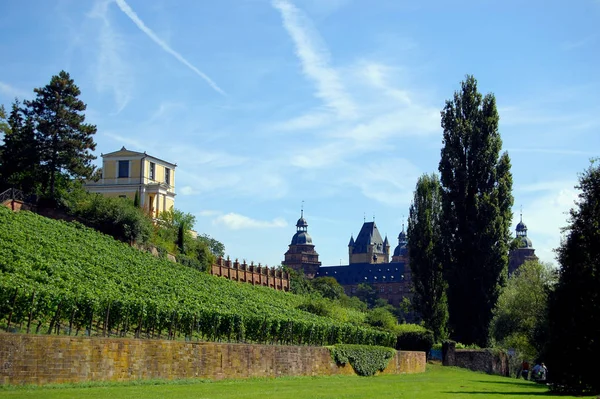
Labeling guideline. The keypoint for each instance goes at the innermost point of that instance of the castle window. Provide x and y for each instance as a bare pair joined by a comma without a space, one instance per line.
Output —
375,277
123,168
152,171
392,276
382,289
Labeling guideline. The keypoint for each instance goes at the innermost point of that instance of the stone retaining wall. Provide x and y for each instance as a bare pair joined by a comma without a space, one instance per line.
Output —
40,359
486,360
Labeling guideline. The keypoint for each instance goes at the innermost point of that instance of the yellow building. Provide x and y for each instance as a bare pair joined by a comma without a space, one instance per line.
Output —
124,172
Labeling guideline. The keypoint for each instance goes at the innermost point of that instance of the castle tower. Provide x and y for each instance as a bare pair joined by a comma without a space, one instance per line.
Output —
401,251
369,247
522,248
301,255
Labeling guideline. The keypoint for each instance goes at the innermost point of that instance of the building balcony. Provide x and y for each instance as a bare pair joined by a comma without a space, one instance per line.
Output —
151,185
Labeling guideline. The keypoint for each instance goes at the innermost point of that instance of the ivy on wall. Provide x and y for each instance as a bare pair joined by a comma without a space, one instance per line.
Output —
366,360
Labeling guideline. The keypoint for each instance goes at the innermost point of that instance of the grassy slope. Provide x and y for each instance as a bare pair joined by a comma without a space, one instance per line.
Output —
437,383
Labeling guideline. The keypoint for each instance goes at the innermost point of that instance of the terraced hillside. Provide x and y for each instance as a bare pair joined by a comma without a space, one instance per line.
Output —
58,277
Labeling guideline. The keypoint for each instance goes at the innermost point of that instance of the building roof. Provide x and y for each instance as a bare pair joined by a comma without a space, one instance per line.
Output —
357,273
301,238
124,152
368,235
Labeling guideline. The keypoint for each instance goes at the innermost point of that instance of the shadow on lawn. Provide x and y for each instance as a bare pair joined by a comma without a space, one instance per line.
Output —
515,382
520,393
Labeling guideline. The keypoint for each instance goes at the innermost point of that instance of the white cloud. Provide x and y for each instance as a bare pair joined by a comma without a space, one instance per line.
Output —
187,190
127,10
235,221
11,91
314,57
208,213
112,72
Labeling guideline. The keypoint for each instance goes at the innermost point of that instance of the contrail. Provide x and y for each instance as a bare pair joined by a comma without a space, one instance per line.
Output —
140,24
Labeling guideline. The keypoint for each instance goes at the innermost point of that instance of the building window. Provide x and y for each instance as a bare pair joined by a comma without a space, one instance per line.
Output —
152,171
168,176
123,168
382,289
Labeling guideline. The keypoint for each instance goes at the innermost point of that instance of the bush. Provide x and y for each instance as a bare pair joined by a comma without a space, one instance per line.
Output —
412,337
190,262
116,217
382,318
366,360
316,306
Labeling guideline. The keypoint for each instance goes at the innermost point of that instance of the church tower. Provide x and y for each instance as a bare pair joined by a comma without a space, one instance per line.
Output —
301,255
522,249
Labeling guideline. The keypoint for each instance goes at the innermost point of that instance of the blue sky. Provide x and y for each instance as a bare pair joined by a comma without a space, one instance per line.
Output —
264,104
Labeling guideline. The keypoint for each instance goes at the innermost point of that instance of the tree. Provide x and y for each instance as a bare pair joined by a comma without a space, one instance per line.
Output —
520,316
64,140
19,163
476,205
328,287
216,247
574,311
426,255
136,198
367,293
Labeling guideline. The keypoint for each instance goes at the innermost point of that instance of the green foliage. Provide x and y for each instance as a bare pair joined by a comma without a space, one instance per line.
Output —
136,199
381,317
65,274
412,337
328,287
316,305
520,315
476,203
367,294
116,217
299,284
64,141
365,360
19,162
574,309
426,255
216,247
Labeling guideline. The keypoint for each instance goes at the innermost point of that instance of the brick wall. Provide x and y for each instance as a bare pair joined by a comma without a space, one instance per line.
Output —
40,359
255,275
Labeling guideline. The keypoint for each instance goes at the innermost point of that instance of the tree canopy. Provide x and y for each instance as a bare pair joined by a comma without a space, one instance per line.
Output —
520,316
426,255
476,202
574,311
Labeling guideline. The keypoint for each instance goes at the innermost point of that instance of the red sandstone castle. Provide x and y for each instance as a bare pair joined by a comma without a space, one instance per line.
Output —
369,260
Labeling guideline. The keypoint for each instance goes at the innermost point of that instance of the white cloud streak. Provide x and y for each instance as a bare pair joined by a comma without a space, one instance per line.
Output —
127,10
314,57
235,221
11,91
112,72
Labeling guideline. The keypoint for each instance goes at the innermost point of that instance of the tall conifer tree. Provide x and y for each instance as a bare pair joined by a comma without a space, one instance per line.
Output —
426,255
476,200
65,141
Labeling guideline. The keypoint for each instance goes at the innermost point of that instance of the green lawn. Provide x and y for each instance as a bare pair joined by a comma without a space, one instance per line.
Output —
438,382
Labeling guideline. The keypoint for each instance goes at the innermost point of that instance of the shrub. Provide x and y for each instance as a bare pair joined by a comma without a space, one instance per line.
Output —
366,360
316,306
190,262
412,337
382,318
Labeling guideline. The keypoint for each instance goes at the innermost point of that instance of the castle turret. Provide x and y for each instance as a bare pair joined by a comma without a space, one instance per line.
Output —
301,255
521,249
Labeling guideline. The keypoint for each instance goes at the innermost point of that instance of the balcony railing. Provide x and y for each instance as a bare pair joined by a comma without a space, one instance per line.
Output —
129,181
